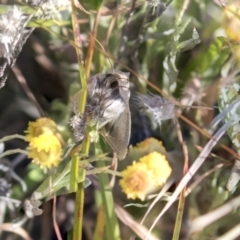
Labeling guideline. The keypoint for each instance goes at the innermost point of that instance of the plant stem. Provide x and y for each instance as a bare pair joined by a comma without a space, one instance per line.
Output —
181,203
178,223
84,74
74,174
10,137
13,151
79,200
112,227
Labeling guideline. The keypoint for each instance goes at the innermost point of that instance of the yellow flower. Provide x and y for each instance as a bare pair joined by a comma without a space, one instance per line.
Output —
231,22
137,181
145,176
45,150
149,142
44,147
159,166
40,126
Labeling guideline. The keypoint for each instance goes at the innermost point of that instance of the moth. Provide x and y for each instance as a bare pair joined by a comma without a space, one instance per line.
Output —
107,110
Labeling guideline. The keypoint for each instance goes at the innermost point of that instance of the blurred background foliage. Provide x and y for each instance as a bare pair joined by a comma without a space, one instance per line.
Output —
187,50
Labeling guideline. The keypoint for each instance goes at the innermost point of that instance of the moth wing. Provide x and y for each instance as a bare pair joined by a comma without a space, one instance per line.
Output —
92,85
117,134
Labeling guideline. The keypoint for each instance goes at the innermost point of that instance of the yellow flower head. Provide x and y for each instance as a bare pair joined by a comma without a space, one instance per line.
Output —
40,126
137,181
159,166
231,22
149,142
145,176
45,150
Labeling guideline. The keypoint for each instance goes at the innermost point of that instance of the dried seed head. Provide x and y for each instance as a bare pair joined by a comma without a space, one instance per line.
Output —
14,30
50,8
155,10
13,34
159,108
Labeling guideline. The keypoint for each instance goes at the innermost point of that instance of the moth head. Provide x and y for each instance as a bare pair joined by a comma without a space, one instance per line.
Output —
123,85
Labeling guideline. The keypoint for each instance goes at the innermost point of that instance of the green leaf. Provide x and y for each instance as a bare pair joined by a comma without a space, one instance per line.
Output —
93,4
48,23
209,63
191,43
58,183
229,94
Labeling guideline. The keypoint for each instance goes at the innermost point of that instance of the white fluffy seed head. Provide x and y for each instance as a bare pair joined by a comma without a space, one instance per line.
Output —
159,108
